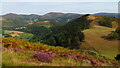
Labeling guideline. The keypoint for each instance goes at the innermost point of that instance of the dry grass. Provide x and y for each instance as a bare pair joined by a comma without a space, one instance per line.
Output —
14,35
115,24
103,46
43,22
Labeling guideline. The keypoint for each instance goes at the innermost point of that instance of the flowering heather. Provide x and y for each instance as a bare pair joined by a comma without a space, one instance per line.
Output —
78,57
0,48
95,63
101,60
44,57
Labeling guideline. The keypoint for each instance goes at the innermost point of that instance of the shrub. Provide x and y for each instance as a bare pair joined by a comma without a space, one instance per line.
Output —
64,55
101,60
106,22
91,53
44,57
118,57
113,35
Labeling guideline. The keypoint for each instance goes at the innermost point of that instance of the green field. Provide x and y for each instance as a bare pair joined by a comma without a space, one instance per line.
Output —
24,36
21,35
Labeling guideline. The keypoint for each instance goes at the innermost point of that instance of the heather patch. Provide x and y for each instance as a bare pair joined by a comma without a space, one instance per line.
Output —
44,57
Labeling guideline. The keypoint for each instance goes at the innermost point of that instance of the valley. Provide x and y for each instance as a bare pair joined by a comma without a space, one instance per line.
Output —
63,39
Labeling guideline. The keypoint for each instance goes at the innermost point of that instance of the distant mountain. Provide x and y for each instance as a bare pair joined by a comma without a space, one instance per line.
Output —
12,20
52,14
21,16
108,14
59,17
20,20
17,20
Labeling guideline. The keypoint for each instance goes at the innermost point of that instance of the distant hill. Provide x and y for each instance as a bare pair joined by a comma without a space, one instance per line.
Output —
20,16
108,14
11,20
59,17
17,20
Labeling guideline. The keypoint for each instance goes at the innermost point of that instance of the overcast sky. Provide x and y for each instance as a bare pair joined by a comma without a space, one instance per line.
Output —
65,7
60,0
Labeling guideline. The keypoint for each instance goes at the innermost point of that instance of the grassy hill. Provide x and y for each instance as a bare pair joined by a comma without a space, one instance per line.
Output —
20,53
93,37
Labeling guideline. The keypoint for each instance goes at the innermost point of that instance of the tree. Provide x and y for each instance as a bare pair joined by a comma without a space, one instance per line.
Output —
106,22
114,35
118,57
69,35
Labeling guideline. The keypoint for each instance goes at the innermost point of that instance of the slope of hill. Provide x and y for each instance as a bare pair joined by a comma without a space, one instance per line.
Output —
59,17
12,21
21,16
93,37
68,35
20,53
97,19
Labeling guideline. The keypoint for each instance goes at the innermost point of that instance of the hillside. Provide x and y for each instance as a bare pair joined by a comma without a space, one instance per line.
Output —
94,41
12,21
68,35
105,47
21,53
59,17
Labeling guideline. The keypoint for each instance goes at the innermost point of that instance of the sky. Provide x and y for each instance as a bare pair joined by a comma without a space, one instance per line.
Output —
59,0
65,7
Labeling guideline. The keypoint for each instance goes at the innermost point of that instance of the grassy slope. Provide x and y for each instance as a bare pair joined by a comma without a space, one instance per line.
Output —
11,58
93,39
22,56
24,36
